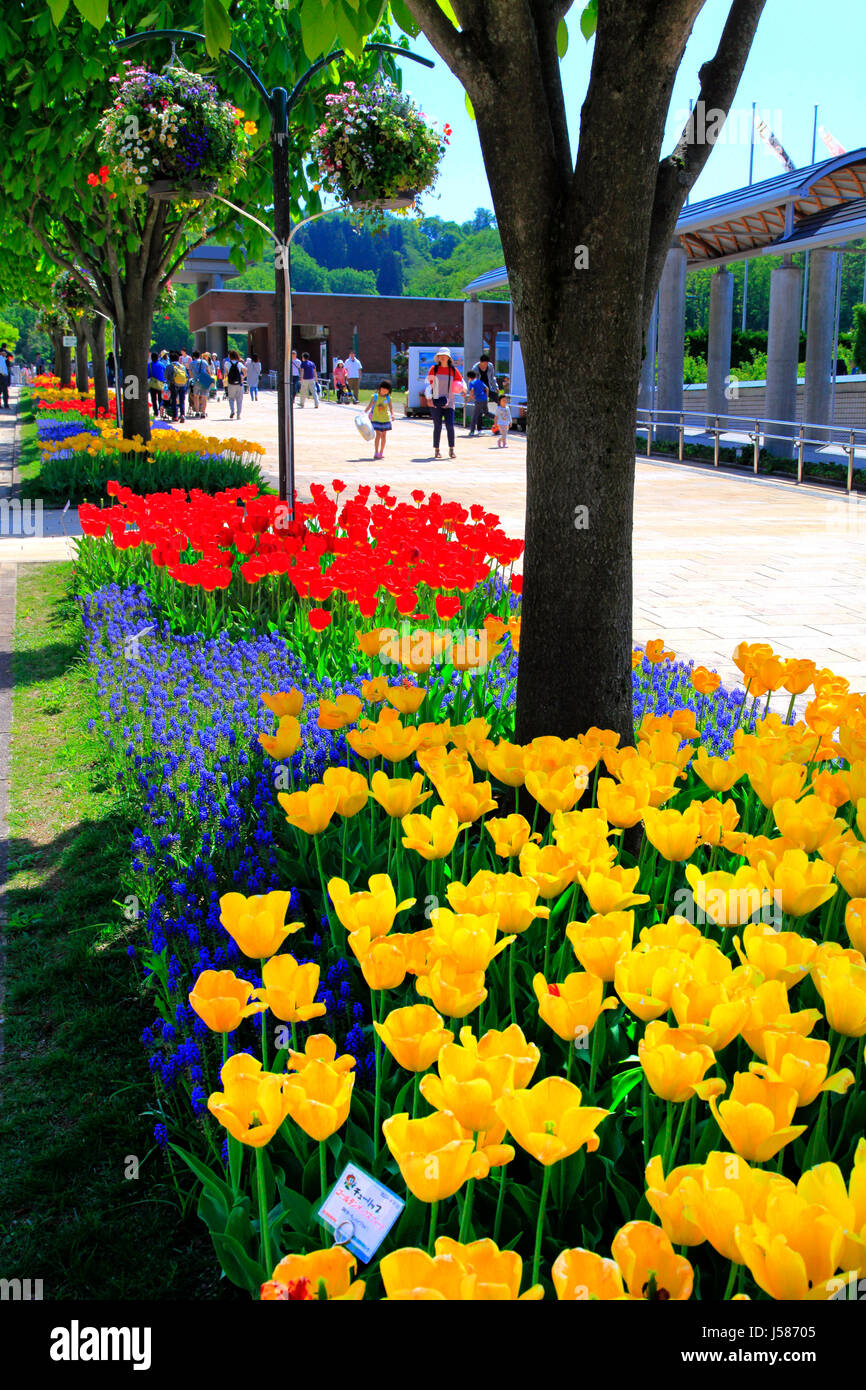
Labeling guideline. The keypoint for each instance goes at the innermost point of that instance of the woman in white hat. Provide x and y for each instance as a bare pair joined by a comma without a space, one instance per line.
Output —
444,382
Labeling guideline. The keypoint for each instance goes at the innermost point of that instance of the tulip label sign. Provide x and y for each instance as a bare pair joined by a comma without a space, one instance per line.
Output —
360,1212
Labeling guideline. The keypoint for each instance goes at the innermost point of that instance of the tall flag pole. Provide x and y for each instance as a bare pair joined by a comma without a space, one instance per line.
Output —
806,265
751,174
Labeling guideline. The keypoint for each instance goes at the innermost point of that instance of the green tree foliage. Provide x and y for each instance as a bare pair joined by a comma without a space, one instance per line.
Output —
389,277
859,343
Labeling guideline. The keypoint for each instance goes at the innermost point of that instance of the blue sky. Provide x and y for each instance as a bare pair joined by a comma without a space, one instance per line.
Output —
803,54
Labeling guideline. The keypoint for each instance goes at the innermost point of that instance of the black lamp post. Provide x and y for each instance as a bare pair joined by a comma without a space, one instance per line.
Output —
279,103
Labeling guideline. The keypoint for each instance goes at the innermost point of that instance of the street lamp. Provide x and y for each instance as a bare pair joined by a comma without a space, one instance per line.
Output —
279,103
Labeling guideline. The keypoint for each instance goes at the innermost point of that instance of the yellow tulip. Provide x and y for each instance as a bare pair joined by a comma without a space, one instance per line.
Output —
772,783
548,1120
222,1001
434,1155
855,923
283,743
559,790
412,1276
851,870
612,891
602,941
432,836
623,806
645,979
490,1274
318,1098
673,1060
756,1117
675,834
784,956
650,1267
307,1277
467,939
408,699
257,923
414,1036
728,899
506,762
319,1047
769,1009
351,788
801,1063
798,884
842,987
371,643
727,1195
581,1274
336,714
382,958
509,833
571,1008
509,1042
310,811
469,800
375,690
467,1085
374,911
454,992
398,796
290,989
718,822
548,867
665,1196
251,1107
282,702
511,897
796,1246
711,1009
717,774
391,739
808,822
824,1186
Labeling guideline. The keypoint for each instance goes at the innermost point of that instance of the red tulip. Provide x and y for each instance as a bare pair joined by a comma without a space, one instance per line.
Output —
446,607
319,619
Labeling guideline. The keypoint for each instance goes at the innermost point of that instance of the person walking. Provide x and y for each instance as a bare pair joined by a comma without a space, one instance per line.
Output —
478,391
308,381
110,369
4,376
484,370
444,382
381,412
235,384
254,371
502,415
354,369
178,381
155,382
203,382
296,376
340,379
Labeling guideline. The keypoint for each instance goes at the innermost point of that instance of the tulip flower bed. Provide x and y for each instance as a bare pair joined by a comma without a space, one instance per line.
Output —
235,561
430,956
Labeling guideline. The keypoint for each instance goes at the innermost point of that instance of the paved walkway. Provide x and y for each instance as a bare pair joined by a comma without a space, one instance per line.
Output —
718,559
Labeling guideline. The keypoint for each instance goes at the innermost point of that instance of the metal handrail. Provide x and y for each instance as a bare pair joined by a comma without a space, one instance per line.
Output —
794,432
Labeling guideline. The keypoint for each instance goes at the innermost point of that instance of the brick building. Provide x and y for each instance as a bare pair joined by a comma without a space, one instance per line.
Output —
328,326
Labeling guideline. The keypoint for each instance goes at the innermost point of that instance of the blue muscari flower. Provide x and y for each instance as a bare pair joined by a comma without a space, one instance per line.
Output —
160,1134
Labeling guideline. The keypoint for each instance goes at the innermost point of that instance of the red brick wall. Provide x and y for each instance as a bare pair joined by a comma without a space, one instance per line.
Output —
376,319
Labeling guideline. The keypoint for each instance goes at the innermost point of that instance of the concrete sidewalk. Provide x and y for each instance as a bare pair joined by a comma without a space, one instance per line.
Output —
718,558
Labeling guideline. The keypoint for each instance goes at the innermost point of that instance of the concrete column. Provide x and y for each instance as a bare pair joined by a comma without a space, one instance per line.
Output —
202,286
820,326
217,339
647,371
672,327
473,331
719,343
783,350
200,337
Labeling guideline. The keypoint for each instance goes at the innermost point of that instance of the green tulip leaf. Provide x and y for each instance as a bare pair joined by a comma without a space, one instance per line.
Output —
205,1175
213,1211
237,1265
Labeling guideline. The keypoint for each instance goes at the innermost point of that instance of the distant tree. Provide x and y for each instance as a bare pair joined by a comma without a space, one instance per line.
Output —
390,277
483,219
860,337
347,280
444,244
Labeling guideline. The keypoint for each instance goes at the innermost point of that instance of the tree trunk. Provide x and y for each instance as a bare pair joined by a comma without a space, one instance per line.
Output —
96,334
82,380
134,349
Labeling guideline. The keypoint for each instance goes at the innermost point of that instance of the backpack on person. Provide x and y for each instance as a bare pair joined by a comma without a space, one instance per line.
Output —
234,376
179,374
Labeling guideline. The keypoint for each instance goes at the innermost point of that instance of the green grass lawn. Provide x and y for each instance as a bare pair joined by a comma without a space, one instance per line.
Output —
74,1082
29,459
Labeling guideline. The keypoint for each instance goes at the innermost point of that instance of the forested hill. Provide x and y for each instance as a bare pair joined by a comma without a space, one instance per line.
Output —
411,256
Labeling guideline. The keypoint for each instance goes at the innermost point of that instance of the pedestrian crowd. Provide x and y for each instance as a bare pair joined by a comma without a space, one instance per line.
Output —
181,384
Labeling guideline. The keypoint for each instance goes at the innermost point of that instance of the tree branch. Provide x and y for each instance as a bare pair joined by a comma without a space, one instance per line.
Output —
678,172
452,45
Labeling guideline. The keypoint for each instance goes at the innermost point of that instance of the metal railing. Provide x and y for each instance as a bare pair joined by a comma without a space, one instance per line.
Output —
793,432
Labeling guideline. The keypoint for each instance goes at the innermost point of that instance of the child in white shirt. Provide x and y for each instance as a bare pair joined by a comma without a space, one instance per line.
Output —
502,415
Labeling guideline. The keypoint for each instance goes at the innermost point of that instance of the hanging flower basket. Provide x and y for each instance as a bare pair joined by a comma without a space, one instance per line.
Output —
376,149
171,135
